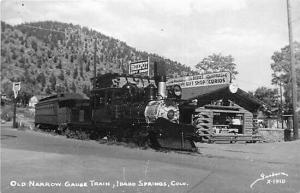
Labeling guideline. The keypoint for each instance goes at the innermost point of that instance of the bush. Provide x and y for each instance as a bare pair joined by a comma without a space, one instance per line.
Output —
6,113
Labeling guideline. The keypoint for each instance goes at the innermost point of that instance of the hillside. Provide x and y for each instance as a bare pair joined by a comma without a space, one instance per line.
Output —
50,57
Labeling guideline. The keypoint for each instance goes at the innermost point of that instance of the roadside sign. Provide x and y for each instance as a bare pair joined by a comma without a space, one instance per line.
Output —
201,80
140,67
16,88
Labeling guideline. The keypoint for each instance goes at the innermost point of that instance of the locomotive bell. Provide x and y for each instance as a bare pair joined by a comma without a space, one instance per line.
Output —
160,78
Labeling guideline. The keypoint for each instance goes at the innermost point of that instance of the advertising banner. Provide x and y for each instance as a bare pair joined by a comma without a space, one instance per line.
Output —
140,67
201,80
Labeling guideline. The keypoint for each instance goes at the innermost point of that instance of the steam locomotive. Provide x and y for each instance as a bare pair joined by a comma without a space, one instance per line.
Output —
124,108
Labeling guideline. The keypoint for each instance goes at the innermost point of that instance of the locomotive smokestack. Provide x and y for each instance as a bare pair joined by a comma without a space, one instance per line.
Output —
160,78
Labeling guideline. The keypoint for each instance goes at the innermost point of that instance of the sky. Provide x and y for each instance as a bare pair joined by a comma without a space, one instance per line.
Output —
182,30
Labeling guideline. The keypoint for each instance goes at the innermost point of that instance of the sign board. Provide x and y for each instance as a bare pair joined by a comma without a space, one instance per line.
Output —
16,88
140,67
201,80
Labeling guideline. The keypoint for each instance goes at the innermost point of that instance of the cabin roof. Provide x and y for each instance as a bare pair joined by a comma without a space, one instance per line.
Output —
205,94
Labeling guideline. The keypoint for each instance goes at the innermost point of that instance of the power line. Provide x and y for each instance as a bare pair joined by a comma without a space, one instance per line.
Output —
252,83
295,20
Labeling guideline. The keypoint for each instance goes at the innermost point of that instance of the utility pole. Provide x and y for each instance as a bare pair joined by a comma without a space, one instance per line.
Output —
95,57
293,72
15,112
281,105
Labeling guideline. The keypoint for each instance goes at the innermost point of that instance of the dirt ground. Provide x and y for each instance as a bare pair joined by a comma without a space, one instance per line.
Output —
40,162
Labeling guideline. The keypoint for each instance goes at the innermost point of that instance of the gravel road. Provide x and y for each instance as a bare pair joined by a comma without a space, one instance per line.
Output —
39,162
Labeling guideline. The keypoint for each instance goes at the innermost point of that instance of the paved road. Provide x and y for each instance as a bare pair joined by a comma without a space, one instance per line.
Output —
32,161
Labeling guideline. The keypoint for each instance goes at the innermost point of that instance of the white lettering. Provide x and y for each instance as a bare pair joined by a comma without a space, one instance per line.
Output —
15,183
96,183
75,184
175,183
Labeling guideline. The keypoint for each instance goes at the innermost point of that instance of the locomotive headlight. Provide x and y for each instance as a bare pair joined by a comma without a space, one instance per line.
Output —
177,90
170,114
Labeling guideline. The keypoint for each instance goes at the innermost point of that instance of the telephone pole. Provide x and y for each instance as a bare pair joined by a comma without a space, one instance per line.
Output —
95,62
293,72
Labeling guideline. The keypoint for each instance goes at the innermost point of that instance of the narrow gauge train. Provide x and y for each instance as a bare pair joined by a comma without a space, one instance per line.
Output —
125,108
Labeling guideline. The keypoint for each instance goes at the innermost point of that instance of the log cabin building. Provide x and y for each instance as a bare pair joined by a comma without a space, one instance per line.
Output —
221,108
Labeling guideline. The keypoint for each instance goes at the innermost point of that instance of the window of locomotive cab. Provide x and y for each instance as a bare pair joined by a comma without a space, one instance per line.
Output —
141,94
135,94
99,99
118,95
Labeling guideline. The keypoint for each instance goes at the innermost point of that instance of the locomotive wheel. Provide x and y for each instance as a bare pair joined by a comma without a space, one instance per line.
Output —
111,137
84,135
153,141
141,138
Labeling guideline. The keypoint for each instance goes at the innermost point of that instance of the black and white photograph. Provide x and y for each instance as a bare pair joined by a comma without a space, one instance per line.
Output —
150,96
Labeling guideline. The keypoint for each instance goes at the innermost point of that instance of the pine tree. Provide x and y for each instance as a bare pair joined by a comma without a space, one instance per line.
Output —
81,69
61,75
66,86
33,45
87,67
75,73
52,81
55,59
59,66
41,79
27,77
68,72
86,90
48,91
73,87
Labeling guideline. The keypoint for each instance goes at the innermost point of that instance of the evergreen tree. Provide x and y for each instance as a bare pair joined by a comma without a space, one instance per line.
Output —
60,89
39,62
52,81
87,67
59,65
86,90
81,69
33,45
68,72
75,73
55,59
73,87
66,86
41,79
27,77
61,75
48,91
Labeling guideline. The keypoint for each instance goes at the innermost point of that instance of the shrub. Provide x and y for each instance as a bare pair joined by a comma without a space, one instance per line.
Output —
7,113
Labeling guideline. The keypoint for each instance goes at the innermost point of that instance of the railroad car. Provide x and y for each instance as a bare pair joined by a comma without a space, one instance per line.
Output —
62,112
